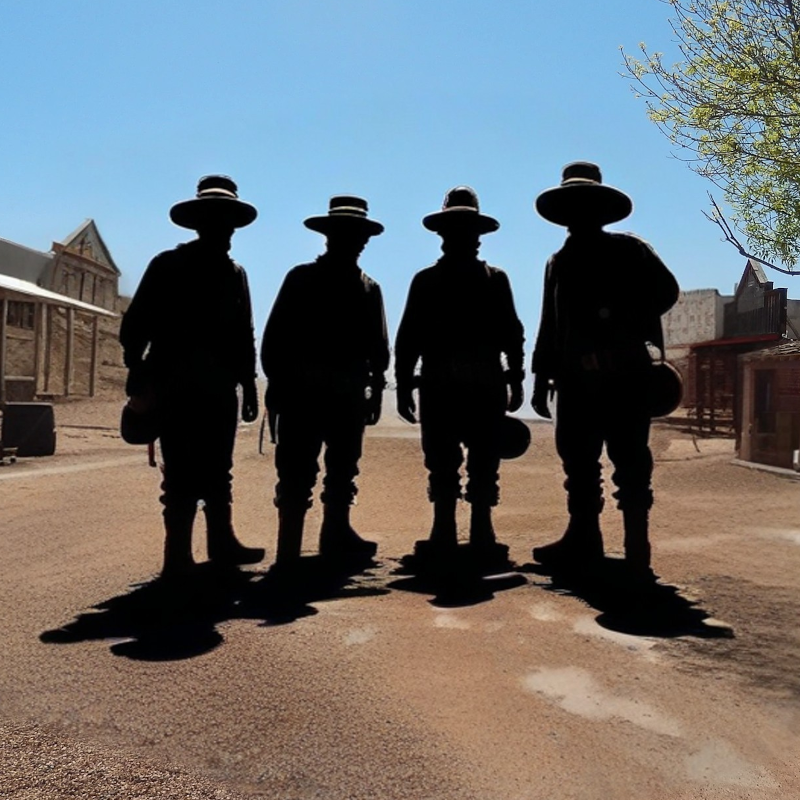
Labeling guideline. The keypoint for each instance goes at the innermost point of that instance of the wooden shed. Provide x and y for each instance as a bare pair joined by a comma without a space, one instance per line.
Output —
48,342
771,405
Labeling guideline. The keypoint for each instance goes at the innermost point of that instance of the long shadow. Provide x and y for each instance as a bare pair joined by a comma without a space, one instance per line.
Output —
279,597
174,620
634,607
462,581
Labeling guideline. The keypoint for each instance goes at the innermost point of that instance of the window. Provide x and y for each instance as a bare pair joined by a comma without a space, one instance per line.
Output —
765,400
20,314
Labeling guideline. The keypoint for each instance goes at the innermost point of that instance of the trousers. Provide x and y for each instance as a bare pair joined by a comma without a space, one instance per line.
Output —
302,430
452,416
197,439
593,409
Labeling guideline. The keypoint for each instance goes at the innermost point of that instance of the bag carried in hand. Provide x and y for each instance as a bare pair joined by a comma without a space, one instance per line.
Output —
140,422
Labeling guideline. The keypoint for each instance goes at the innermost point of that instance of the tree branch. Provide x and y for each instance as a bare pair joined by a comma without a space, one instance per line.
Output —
717,217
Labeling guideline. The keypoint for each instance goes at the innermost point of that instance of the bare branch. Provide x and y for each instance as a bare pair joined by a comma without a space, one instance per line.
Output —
718,218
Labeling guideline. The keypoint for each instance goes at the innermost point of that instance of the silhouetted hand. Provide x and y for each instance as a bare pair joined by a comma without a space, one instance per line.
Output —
516,395
543,391
249,402
406,407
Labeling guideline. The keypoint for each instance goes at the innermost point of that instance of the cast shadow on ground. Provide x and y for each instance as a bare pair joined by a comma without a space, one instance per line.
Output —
633,607
174,620
461,581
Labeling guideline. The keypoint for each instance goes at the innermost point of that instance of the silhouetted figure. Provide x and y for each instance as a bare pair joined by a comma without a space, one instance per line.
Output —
604,294
460,323
324,352
188,340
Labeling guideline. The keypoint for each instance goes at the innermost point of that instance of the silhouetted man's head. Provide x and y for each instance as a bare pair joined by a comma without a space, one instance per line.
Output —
346,226
216,234
460,222
347,242
215,212
582,202
460,240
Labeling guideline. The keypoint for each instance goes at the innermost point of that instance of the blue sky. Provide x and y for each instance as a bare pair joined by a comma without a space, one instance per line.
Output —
113,110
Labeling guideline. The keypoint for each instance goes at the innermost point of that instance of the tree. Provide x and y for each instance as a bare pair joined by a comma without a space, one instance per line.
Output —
733,107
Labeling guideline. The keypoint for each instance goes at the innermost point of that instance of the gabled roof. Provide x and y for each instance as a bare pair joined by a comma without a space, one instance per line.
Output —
17,286
758,273
23,262
86,240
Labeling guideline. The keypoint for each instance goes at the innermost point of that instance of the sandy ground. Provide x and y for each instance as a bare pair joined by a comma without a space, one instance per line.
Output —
379,684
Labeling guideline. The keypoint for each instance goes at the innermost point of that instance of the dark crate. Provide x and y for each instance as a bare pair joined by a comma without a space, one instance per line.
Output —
30,427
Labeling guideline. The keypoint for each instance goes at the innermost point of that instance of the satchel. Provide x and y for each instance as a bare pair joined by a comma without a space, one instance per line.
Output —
140,422
665,389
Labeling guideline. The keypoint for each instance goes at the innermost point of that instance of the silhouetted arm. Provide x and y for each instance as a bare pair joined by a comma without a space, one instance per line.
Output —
277,340
545,355
512,341
246,353
378,354
138,323
407,351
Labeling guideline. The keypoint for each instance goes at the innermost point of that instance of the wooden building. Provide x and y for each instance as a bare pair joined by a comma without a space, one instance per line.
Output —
755,317
52,308
771,405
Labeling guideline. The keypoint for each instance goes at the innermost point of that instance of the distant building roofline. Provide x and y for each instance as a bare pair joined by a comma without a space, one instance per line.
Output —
51,298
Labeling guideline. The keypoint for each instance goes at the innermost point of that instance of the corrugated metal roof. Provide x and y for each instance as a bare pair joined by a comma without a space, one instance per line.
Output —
22,262
29,289
785,350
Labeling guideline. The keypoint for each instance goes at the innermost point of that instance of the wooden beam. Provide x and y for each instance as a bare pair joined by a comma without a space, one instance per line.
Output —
93,365
69,357
37,345
47,332
3,325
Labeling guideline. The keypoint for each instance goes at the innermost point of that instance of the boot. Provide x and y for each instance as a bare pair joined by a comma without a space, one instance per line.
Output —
580,546
443,540
637,544
290,535
482,541
337,539
223,546
178,559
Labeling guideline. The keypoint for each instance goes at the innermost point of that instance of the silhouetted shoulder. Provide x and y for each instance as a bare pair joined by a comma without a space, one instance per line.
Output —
370,284
632,240
497,274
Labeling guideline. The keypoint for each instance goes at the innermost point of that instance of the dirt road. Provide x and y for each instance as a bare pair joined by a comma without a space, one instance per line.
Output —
380,685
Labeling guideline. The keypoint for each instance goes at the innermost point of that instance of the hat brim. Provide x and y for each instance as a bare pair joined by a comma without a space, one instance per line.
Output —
583,202
462,218
515,438
200,211
328,222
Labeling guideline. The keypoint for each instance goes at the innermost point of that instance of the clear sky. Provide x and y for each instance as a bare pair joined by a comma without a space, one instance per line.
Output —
113,110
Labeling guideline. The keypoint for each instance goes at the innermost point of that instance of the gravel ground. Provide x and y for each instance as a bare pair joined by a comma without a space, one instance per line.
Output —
382,684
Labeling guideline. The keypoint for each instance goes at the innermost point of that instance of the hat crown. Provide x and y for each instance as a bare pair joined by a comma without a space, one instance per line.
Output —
217,185
581,171
461,197
348,204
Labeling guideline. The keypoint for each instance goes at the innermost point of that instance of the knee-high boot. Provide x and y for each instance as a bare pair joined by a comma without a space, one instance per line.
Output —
223,546
580,546
637,542
337,539
178,559
290,534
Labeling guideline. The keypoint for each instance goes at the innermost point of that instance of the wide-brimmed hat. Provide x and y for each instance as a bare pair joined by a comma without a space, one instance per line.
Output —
460,210
216,201
345,210
583,197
